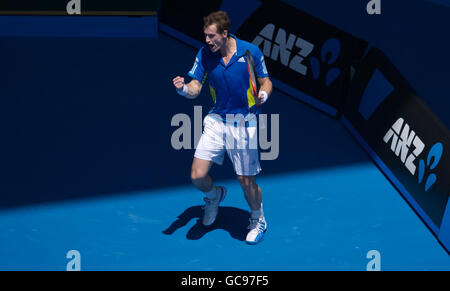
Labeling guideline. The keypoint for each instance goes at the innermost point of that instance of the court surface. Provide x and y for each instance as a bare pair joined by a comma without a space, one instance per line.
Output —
318,220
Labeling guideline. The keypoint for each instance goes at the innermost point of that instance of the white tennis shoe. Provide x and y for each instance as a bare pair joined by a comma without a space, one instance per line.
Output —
258,227
212,206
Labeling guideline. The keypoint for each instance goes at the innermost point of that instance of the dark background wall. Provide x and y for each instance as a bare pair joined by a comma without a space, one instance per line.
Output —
82,117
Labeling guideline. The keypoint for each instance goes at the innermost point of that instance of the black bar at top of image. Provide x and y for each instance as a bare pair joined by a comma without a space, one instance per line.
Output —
88,7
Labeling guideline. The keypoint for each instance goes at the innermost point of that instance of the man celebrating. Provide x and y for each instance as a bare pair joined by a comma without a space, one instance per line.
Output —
231,121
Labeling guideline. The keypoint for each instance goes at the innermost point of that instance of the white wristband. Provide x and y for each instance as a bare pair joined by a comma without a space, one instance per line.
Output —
183,92
265,96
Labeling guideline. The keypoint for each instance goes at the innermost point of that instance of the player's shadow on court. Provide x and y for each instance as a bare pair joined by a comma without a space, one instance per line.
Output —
230,219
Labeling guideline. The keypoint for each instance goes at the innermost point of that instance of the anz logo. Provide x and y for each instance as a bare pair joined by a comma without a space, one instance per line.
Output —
279,47
283,46
408,146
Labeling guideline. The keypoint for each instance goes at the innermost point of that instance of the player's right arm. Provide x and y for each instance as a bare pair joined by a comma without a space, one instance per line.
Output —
190,90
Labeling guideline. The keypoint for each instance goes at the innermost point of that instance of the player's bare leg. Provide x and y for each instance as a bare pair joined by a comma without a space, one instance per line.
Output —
252,192
199,175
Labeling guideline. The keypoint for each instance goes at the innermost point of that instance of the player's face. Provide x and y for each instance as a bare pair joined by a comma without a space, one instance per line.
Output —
214,39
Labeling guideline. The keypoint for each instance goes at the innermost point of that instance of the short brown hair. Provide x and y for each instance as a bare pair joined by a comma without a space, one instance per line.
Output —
220,19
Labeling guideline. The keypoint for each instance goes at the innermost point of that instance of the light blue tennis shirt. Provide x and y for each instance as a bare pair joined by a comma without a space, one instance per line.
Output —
229,85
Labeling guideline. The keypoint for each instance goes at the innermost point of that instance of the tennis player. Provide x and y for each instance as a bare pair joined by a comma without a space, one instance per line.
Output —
231,125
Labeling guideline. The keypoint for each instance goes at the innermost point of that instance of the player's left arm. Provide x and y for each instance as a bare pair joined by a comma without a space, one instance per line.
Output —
265,89
265,85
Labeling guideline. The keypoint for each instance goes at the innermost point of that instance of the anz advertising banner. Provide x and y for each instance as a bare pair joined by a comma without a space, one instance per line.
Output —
306,57
404,137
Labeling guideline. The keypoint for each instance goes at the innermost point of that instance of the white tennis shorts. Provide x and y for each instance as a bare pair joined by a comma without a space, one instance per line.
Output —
237,136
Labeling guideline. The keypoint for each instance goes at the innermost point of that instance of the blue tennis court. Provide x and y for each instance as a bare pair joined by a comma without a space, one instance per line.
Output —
321,220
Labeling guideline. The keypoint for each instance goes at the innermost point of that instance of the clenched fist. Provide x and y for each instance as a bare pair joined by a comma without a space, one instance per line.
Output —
178,82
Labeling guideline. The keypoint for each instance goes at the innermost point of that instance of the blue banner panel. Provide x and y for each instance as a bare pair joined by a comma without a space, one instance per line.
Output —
306,56
78,18
73,26
403,136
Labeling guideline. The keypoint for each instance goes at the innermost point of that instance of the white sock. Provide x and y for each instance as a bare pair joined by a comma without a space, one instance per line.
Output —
211,194
257,213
